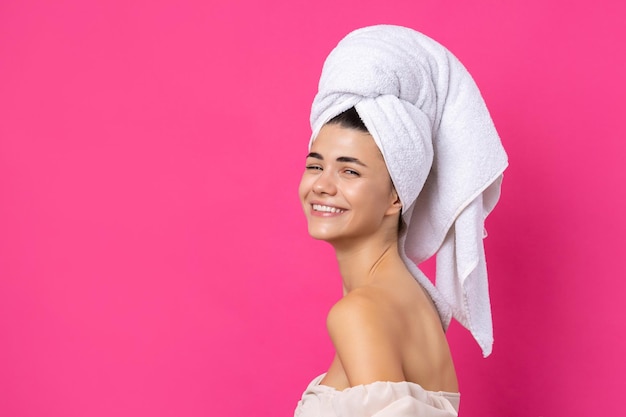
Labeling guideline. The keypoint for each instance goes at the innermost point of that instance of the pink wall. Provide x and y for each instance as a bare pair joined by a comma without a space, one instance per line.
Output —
153,257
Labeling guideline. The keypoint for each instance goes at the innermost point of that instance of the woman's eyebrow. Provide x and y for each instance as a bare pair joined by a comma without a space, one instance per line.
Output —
315,155
339,159
350,159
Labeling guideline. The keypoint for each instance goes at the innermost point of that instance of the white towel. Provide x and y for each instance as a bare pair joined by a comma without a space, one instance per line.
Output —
442,151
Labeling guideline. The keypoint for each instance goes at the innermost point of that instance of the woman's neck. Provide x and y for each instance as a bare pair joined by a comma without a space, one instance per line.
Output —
362,264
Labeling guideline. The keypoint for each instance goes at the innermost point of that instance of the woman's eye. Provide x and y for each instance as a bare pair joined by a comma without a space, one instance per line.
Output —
352,172
313,168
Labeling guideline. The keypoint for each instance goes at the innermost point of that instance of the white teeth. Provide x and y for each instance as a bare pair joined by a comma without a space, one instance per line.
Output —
319,207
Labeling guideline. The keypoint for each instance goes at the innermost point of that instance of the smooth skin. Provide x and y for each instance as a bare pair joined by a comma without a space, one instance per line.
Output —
385,328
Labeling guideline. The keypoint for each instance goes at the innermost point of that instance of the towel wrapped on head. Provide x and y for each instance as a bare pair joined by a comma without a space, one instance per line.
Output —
442,152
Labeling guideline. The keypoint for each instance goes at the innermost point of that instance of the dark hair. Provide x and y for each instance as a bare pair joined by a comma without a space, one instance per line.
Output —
349,119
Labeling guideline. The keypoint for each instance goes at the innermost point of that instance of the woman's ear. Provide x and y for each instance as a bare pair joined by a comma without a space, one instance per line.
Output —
396,204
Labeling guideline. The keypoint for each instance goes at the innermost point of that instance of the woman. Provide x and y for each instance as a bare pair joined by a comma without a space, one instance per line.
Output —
404,163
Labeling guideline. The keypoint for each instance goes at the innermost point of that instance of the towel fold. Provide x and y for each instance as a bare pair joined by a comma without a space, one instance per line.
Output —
442,151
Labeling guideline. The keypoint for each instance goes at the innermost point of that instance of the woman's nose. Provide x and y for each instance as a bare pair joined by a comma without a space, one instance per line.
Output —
325,184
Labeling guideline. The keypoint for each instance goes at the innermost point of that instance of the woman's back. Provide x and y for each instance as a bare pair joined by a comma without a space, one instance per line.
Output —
389,330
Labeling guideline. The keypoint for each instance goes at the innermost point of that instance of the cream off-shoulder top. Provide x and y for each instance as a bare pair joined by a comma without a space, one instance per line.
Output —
378,399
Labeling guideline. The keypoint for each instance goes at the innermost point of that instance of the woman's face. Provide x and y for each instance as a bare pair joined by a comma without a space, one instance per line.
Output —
346,191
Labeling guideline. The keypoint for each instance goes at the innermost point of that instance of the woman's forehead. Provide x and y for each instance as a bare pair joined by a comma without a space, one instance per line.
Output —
335,140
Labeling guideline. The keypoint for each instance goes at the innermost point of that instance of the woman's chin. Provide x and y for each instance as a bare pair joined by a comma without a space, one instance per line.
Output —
321,233
320,236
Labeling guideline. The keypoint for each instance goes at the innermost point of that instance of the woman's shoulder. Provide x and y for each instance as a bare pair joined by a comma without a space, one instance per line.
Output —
366,305
380,311
364,339
384,304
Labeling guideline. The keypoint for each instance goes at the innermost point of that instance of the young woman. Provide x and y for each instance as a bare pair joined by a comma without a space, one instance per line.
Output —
393,175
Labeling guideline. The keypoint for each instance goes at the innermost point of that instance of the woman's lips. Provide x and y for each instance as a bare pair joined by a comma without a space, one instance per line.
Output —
323,210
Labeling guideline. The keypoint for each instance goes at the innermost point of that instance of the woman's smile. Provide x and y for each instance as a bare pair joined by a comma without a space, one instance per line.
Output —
318,209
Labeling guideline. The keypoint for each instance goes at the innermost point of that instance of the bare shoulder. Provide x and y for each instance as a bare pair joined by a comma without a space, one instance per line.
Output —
365,309
364,339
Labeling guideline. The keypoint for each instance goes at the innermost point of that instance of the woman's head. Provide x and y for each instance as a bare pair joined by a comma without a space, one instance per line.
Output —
346,190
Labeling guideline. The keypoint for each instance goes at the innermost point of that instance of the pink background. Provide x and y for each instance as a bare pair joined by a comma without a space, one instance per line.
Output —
153,257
